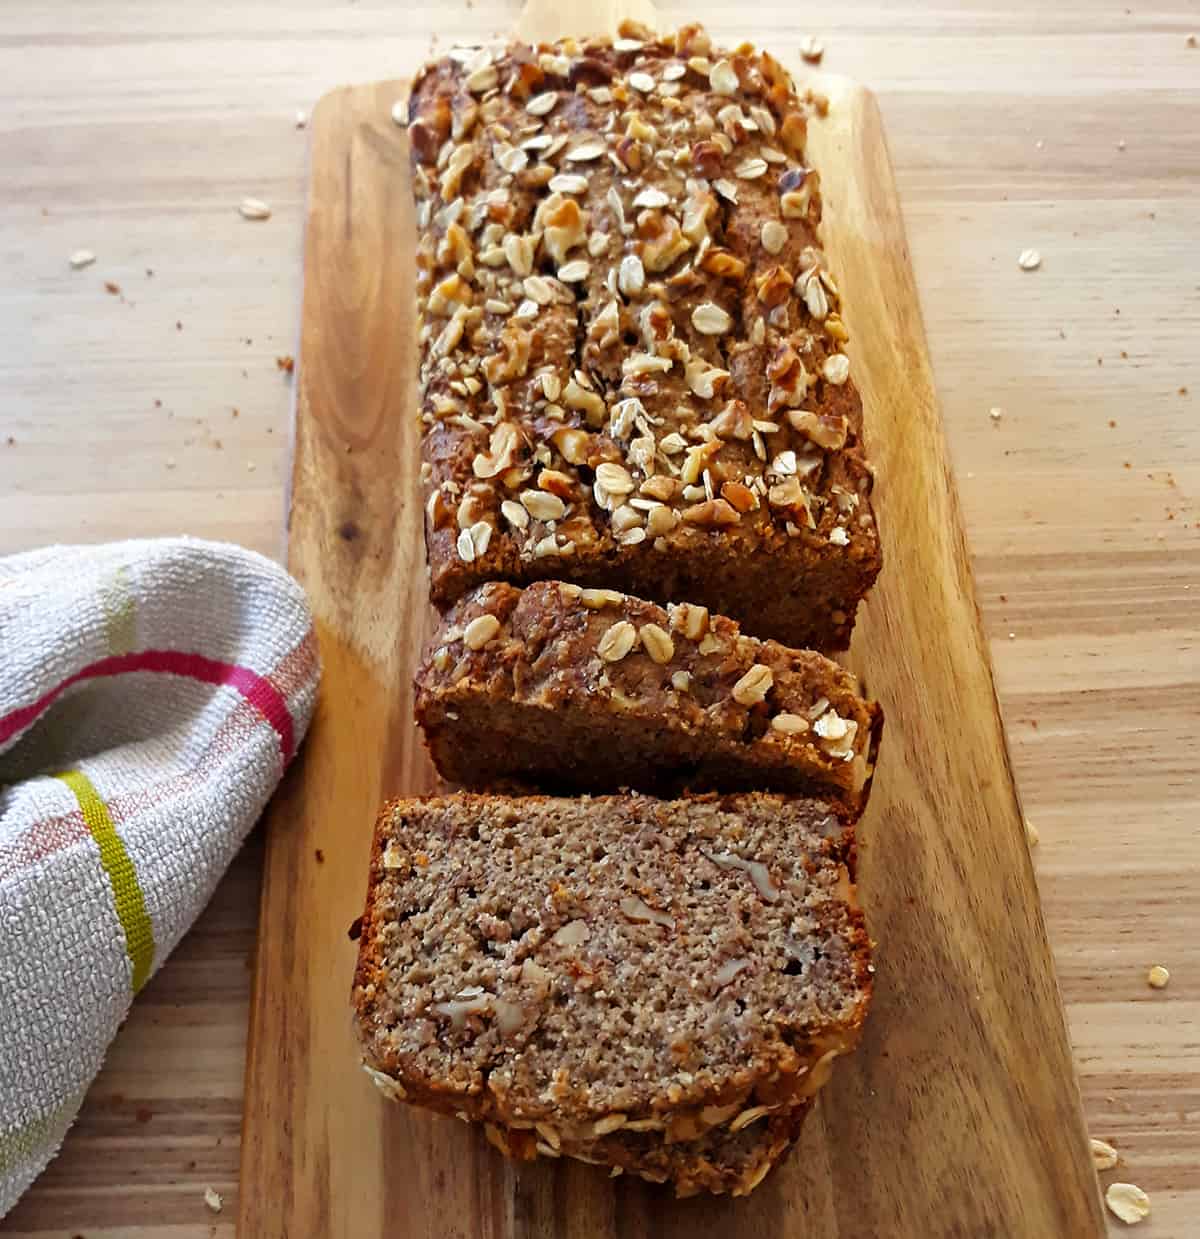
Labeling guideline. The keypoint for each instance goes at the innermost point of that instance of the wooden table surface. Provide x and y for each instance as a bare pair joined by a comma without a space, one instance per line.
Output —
134,130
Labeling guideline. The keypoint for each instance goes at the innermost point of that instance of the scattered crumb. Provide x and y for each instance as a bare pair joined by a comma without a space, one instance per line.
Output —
250,466
1031,833
1128,465
320,856
355,930
1183,391
400,113
1012,636
178,325
1112,421
1104,1156
236,413
11,441
1029,260
995,413
1124,354
301,119
1128,1202
143,1114
812,49
1003,597
212,1199
82,258
1121,144
254,208
150,273
158,404
287,363
113,290
1190,41
170,462
1158,977
1039,144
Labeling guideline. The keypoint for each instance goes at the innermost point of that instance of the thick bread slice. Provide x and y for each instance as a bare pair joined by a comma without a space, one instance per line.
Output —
610,966
590,690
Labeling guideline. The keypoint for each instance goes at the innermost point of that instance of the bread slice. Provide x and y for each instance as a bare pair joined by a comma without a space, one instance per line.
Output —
629,980
590,690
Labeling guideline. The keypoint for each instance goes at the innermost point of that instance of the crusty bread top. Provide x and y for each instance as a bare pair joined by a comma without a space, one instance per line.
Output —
792,719
570,960
629,329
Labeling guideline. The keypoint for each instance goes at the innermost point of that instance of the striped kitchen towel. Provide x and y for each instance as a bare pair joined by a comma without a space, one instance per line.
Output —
151,695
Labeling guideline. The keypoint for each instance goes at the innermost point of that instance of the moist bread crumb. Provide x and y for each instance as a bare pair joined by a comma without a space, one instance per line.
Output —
631,981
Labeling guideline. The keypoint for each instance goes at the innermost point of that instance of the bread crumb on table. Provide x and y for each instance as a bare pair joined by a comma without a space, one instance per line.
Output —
1158,977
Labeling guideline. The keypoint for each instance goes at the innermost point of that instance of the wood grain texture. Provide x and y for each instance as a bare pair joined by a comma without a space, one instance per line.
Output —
134,130
965,1064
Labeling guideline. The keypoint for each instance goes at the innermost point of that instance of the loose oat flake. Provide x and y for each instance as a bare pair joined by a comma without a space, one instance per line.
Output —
82,258
254,208
212,1199
1128,1202
1104,1156
1029,260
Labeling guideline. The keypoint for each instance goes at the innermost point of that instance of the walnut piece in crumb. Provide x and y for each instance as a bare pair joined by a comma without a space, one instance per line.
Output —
1128,1202
1158,977
1104,1156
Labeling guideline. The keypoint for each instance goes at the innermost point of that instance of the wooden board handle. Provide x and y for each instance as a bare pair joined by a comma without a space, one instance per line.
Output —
543,21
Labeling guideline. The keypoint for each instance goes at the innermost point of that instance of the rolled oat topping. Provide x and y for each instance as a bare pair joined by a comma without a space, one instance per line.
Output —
619,274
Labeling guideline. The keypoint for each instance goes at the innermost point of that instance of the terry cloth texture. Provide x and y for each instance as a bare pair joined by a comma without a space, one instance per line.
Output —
151,695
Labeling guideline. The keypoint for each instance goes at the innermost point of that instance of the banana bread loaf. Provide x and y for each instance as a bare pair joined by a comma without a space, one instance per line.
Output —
632,364
617,978
590,690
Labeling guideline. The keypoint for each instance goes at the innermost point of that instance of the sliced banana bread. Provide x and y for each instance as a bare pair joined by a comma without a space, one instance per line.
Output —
591,690
630,980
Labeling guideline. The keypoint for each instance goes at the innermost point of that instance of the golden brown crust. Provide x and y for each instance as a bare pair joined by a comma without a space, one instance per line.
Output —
632,366
591,690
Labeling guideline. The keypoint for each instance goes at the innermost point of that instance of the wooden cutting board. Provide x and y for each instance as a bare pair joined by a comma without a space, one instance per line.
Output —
959,1115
